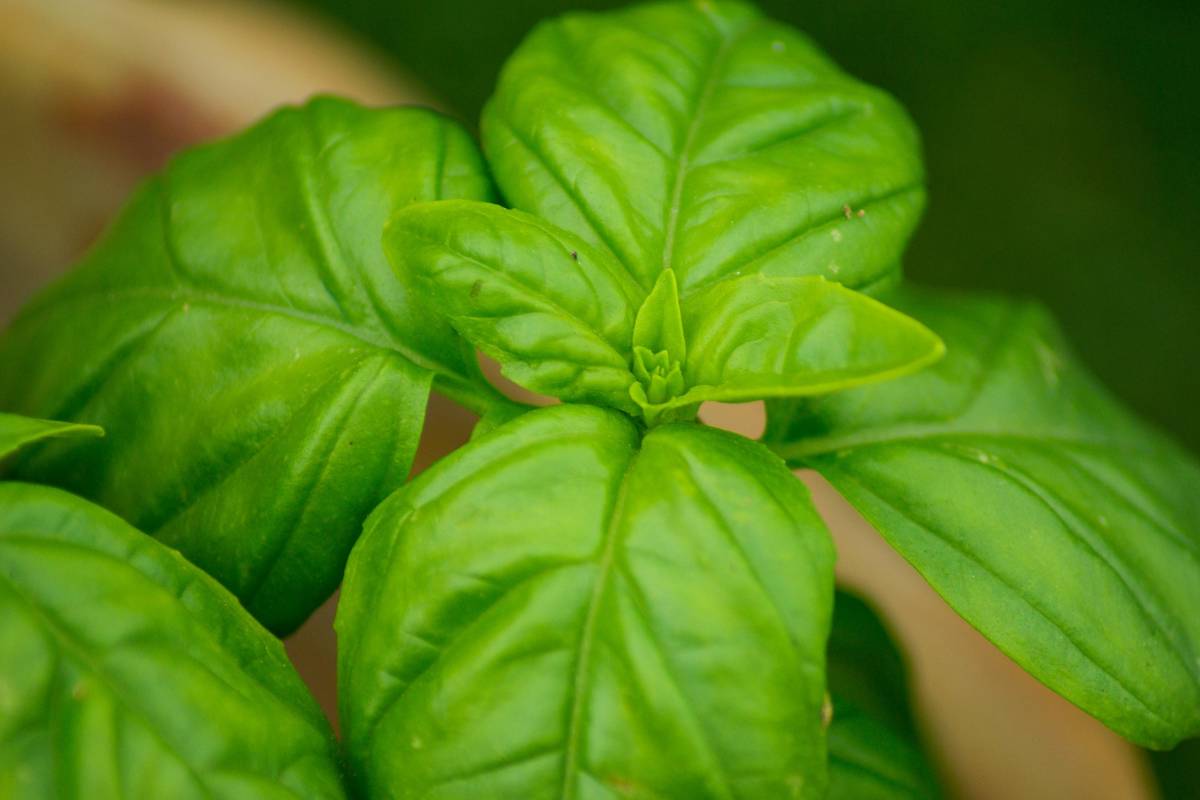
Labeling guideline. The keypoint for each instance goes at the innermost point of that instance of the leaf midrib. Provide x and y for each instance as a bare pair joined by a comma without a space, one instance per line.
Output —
684,159
588,634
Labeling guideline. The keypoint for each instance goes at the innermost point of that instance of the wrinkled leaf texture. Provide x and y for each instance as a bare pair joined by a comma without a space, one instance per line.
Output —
127,672
1060,526
562,316
261,371
704,138
697,140
561,611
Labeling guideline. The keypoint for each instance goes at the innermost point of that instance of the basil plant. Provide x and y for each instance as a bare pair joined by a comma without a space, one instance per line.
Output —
673,204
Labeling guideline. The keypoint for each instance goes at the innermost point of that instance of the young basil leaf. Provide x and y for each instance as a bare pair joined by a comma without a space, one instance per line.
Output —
873,749
659,352
261,371
659,324
703,138
555,312
563,319
1051,519
766,337
127,672
17,431
559,611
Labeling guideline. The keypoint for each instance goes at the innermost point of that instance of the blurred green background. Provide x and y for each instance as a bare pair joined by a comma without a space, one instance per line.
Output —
1062,139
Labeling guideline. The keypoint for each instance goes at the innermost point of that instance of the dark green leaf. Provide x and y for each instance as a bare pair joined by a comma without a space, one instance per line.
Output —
873,749
127,672
703,138
1178,771
558,610
1045,514
555,312
17,431
261,371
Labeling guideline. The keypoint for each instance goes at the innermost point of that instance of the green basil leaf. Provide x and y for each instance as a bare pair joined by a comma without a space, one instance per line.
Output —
261,371
766,337
873,749
127,672
703,138
17,431
659,324
1051,519
563,319
555,312
652,626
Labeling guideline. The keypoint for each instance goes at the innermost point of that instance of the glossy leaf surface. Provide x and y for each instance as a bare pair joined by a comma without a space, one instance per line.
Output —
17,431
555,312
126,672
563,319
260,369
768,337
556,611
873,749
1045,514
704,138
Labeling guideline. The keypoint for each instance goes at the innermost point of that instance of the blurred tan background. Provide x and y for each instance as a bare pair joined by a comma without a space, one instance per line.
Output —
97,93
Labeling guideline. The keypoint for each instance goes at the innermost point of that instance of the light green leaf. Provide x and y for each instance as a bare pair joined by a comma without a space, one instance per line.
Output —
555,312
659,352
704,138
653,626
757,337
659,324
17,431
127,672
873,749
563,319
1045,514
769,337
261,371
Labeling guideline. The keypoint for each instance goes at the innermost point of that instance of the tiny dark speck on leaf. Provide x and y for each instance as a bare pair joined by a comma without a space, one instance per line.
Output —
476,287
574,255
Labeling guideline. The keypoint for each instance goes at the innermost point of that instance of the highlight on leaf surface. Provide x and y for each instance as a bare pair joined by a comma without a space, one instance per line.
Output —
563,319
556,313
704,138
1049,517
654,625
257,364
127,672
665,152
